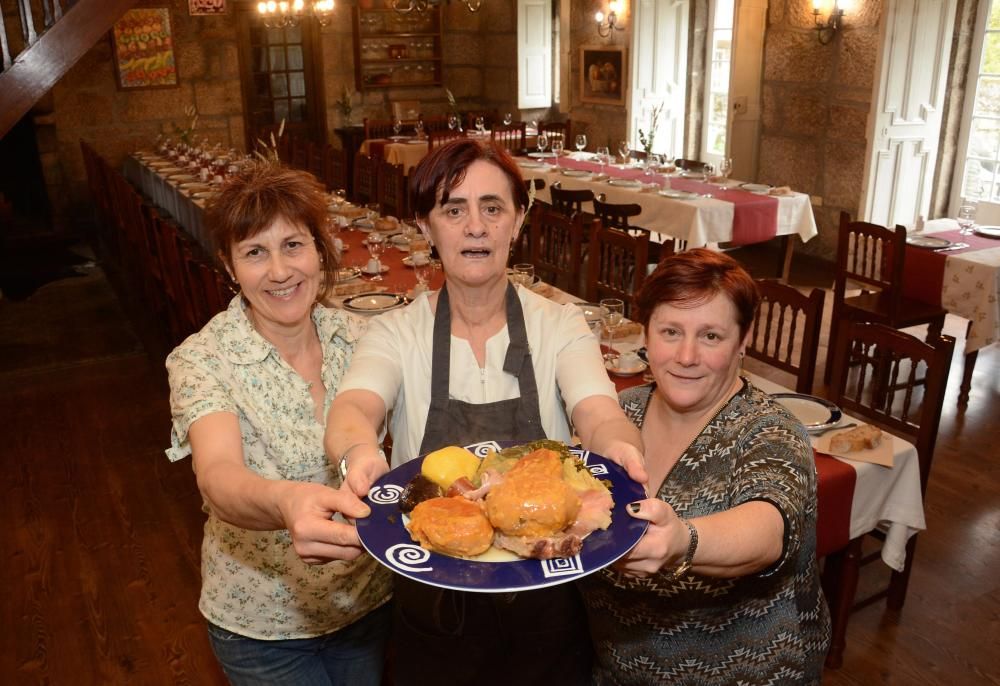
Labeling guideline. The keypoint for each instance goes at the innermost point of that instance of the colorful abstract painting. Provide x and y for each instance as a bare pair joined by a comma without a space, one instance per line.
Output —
144,49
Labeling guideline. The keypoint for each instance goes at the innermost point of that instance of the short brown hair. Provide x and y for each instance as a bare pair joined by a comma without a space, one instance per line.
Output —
695,276
445,167
252,198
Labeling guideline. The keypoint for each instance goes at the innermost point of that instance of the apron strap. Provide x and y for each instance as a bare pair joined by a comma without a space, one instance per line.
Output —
441,349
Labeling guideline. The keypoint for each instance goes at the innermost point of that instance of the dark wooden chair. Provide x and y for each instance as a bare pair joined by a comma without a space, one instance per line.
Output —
379,128
436,139
300,153
436,123
520,249
317,161
785,332
872,256
555,247
365,178
336,168
562,129
569,202
392,190
617,215
616,264
512,137
897,382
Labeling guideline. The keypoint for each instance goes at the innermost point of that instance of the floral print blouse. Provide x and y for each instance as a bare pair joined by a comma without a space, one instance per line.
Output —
253,582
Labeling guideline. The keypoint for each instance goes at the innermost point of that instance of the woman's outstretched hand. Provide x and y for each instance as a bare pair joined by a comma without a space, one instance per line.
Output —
308,511
663,545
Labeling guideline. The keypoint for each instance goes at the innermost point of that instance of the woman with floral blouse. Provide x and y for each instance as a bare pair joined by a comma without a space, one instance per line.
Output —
289,595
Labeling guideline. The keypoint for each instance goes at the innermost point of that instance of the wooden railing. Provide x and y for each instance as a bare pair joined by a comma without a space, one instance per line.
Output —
40,40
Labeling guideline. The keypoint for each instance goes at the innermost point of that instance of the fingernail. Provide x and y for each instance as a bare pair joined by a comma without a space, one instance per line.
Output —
635,507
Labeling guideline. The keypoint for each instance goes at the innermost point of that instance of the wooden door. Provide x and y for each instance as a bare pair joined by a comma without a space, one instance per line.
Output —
906,110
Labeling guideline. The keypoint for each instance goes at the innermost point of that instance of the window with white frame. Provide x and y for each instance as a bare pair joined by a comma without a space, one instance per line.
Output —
720,53
979,172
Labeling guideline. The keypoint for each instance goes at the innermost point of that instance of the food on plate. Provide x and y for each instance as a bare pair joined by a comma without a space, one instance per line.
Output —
454,526
386,224
449,464
864,437
539,498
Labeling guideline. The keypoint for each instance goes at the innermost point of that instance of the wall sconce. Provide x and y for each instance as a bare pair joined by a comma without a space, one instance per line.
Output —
406,6
278,14
826,30
605,25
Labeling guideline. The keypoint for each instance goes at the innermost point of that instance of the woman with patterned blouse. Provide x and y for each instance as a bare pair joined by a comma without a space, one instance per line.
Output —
723,588
288,594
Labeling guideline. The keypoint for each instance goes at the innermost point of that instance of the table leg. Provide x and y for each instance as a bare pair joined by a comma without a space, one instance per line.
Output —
967,369
785,258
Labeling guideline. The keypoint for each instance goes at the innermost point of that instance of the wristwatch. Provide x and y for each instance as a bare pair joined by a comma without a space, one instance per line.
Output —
342,463
688,560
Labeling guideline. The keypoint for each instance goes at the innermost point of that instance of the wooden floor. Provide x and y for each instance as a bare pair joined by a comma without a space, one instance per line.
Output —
101,575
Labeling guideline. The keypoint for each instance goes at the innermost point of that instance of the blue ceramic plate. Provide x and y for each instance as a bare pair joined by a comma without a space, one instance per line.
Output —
386,538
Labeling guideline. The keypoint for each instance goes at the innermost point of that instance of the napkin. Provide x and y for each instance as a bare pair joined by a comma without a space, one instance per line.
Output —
780,190
882,455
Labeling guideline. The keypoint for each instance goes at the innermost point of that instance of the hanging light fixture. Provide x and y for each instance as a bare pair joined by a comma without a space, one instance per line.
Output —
407,6
826,30
277,15
605,25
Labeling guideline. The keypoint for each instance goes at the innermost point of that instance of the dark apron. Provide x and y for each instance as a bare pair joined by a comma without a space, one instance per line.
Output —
455,638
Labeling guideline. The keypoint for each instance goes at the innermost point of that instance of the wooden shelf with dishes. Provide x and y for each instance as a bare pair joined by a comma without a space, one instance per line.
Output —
396,50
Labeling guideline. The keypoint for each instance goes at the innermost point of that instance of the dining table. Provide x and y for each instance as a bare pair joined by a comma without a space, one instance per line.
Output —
960,273
409,150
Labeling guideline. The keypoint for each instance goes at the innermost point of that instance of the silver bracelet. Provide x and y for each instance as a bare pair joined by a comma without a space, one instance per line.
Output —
342,462
685,565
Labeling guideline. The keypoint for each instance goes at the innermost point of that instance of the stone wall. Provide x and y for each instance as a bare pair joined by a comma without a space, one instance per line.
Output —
815,107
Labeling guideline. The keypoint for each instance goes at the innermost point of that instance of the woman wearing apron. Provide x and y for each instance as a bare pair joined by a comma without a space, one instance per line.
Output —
478,360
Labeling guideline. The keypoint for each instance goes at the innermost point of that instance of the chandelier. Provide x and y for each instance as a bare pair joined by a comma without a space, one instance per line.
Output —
406,6
276,15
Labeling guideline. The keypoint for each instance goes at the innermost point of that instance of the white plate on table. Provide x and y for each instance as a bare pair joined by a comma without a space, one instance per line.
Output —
347,274
530,164
541,155
399,138
195,186
576,173
988,231
202,195
698,176
635,367
384,535
182,177
758,188
414,141
383,268
933,242
625,183
676,194
363,225
374,302
591,312
160,164
815,413
167,171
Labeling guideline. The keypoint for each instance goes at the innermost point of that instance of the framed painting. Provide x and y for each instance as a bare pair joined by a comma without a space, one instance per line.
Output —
142,42
206,7
602,74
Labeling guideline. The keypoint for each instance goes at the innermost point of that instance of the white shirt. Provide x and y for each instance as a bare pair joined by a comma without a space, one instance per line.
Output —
393,360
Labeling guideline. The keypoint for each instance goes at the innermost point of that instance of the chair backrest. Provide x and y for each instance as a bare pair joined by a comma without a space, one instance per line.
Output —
555,247
616,264
557,128
317,161
300,153
439,138
378,128
392,190
987,212
336,168
615,214
569,202
785,331
690,165
407,111
893,380
436,123
510,136
365,178
872,256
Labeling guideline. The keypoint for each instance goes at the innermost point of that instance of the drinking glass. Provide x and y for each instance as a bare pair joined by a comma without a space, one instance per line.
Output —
612,313
452,122
341,196
376,246
524,274
581,142
410,231
603,157
480,125
557,148
542,142
966,217
419,128
653,162
508,118
372,212
623,150
397,126
421,268
725,169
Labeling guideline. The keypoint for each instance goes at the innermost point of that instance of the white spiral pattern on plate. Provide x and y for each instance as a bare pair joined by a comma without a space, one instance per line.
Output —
481,450
385,495
405,556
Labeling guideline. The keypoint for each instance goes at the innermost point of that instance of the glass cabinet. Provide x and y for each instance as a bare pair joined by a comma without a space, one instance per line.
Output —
393,49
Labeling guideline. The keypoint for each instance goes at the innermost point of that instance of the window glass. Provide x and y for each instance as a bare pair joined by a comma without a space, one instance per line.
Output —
979,173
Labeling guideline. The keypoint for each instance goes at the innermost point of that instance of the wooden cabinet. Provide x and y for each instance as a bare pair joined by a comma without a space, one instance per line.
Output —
393,50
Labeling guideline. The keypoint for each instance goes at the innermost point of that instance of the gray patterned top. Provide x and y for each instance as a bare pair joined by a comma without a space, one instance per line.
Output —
767,628
253,582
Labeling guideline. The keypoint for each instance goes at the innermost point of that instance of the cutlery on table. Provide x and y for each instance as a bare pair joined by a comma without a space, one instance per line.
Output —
956,246
834,428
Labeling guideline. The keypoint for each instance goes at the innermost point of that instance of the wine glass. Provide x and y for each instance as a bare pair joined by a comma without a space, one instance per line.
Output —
376,246
557,148
623,151
419,128
452,122
421,268
725,169
397,126
542,142
966,217
524,274
507,119
581,142
480,125
603,157
612,313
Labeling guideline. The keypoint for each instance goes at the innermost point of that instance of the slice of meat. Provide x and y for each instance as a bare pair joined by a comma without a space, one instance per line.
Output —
594,514
540,548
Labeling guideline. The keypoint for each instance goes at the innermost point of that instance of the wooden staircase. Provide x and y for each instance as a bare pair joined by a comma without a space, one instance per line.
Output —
40,40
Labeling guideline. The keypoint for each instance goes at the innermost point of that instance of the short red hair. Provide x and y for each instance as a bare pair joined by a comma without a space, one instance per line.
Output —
693,277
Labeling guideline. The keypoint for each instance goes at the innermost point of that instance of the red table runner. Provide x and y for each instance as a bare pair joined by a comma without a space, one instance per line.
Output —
923,270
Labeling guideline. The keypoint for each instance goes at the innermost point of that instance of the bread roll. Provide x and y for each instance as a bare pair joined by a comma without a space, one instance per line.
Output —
864,437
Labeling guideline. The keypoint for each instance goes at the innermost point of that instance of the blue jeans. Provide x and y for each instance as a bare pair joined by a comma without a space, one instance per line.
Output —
352,656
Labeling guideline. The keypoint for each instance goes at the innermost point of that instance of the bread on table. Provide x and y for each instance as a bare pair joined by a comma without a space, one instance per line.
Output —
863,437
